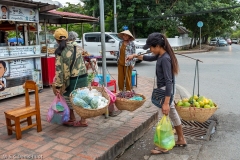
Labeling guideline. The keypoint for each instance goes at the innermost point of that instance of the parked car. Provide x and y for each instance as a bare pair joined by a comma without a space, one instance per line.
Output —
229,41
235,40
213,42
92,43
79,42
222,42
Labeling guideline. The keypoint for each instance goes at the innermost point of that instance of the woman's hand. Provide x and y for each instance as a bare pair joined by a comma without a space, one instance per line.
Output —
165,108
56,91
1,83
130,57
111,52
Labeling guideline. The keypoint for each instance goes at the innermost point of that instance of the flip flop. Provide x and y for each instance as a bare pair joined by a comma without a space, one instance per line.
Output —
69,123
157,151
115,113
75,124
79,124
180,145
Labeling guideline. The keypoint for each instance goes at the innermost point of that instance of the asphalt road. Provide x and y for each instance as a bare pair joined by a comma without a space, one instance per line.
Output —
218,75
218,80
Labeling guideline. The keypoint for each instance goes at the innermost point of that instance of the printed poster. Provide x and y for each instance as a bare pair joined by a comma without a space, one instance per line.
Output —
4,12
14,73
19,50
22,14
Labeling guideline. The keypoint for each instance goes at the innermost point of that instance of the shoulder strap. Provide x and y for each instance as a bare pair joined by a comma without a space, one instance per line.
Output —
73,60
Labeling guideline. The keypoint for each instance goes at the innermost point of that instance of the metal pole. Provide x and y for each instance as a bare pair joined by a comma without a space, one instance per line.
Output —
45,33
37,26
102,27
200,38
82,36
115,17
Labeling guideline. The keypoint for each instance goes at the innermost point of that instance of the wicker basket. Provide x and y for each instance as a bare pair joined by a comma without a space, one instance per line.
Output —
88,113
195,114
129,105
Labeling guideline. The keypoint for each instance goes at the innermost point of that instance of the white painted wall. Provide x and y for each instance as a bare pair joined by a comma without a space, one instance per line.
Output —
174,42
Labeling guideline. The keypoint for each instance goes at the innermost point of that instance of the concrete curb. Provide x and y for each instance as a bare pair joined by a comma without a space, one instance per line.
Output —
196,51
130,138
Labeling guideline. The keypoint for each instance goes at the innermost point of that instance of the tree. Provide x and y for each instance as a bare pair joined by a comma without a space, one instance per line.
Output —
143,17
215,23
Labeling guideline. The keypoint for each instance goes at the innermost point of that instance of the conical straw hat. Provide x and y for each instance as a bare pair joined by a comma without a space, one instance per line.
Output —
120,35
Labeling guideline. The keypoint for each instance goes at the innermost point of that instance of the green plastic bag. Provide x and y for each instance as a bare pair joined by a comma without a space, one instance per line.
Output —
164,137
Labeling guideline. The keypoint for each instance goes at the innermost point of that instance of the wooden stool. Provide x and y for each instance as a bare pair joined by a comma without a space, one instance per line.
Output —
26,112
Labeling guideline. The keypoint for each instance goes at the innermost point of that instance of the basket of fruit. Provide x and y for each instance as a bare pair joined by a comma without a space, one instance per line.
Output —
89,101
129,100
196,108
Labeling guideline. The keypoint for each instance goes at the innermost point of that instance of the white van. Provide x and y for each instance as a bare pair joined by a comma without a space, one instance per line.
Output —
92,44
78,41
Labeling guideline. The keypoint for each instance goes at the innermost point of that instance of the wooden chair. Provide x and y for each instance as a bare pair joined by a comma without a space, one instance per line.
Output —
26,112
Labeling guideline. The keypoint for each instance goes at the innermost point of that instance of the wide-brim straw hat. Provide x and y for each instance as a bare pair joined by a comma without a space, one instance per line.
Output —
120,35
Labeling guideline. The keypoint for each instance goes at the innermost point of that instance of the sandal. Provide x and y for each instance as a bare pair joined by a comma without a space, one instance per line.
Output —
69,123
158,151
180,145
114,113
75,124
79,124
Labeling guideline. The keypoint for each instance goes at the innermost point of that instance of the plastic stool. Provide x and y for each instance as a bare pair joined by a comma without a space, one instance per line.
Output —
134,78
112,83
94,83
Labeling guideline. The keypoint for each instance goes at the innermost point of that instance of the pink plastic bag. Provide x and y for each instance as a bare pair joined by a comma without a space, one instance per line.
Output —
59,111
111,95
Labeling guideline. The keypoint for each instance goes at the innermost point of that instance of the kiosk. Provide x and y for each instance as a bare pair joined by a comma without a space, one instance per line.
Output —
20,59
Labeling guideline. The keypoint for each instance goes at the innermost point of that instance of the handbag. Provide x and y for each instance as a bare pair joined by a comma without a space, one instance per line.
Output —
158,95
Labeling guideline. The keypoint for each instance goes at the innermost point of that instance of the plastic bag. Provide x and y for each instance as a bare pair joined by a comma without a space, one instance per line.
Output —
111,95
95,102
164,137
58,112
136,98
80,102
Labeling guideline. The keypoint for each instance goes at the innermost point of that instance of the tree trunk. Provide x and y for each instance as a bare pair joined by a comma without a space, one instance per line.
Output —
133,31
195,40
206,39
191,43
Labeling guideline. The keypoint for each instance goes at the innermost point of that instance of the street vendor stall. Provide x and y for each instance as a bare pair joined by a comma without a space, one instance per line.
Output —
56,18
20,57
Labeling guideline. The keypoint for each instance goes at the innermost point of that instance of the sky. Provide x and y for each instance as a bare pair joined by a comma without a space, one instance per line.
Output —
63,2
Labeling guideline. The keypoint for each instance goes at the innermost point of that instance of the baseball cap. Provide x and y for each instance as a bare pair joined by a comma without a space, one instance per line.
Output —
60,34
153,39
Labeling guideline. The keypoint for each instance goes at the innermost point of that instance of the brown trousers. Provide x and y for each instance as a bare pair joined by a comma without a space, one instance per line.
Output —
121,77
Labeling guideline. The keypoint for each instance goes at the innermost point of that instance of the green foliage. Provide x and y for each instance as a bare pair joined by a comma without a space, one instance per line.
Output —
236,34
144,17
11,34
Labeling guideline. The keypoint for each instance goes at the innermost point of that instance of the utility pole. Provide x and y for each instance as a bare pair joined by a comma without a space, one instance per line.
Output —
102,27
115,16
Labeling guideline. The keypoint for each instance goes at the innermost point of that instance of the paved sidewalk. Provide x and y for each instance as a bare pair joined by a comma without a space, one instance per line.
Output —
103,139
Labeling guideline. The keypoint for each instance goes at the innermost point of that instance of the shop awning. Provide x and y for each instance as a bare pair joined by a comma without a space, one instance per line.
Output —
43,5
57,17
